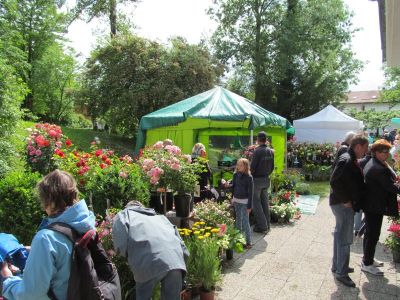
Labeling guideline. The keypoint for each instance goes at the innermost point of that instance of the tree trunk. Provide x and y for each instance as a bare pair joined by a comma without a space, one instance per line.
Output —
113,18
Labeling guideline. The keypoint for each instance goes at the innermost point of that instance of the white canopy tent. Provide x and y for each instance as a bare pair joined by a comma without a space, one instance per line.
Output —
329,125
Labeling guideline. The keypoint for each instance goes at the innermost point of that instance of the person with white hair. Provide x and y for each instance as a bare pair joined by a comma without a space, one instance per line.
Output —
344,146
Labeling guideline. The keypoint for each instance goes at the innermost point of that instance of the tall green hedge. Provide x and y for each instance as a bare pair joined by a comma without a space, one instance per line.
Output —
20,210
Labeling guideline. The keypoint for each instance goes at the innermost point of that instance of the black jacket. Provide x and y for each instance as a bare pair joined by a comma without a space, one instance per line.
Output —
347,181
342,149
262,162
242,185
381,197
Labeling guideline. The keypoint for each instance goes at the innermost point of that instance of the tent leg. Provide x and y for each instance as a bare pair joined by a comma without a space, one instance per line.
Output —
285,157
251,137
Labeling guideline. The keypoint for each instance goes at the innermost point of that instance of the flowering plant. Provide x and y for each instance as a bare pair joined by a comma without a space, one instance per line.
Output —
214,213
393,240
284,197
167,167
44,141
105,177
299,154
203,265
283,213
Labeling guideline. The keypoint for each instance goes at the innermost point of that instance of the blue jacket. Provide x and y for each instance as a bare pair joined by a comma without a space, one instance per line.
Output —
49,259
242,185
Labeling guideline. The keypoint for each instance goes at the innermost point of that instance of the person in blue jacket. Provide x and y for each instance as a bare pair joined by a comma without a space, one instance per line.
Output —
49,261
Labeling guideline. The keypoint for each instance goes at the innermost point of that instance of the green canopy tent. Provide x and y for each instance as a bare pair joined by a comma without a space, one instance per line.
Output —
217,118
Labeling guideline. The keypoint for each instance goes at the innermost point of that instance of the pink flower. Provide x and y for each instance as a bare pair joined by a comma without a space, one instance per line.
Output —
188,158
158,145
173,149
123,175
53,133
176,167
222,230
147,164
154,180
38,152
58,144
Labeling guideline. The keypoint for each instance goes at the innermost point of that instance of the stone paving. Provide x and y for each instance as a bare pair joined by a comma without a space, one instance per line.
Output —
293,262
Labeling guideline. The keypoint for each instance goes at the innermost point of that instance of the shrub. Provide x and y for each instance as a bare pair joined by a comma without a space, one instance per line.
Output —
20,211
303,188
103,175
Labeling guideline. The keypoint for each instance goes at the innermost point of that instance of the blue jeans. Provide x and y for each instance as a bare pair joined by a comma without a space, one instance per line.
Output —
342,238
242,222
357,220
171,286
260,204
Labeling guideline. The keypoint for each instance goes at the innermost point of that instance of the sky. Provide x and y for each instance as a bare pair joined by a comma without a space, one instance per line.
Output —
162,19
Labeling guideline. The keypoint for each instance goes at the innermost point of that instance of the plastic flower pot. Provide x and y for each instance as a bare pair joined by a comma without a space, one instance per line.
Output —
207,295
229,254
396,255
182,205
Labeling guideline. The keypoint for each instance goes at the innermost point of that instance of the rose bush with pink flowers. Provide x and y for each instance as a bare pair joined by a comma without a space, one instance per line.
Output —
167,167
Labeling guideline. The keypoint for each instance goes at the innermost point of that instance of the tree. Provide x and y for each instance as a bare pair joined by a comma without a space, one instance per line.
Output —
55,86
129,77
97,8
374,120
38,25
296,52
391,87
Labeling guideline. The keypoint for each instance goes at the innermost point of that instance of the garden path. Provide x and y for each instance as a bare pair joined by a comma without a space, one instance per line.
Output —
293,262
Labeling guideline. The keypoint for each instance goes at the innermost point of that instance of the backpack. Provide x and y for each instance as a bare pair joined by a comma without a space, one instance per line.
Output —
93,276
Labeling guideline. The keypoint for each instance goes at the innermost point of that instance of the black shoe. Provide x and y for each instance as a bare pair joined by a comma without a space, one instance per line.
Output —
264,231
349,270
346,280
356,233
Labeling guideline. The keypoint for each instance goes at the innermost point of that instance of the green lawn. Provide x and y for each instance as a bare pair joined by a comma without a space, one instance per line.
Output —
319,188
81,138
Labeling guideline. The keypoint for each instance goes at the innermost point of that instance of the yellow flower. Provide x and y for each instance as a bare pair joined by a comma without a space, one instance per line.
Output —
215,230
202,230
196,232
187,234
207,234
188,231
200,237
208,228
202,223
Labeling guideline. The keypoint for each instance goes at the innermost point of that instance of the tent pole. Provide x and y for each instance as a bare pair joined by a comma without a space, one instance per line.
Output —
285,157
251,137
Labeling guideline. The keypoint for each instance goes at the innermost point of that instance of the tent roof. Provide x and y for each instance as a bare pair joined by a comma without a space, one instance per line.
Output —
329,117
216,104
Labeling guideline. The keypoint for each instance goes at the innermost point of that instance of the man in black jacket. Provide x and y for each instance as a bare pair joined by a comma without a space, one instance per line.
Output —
347,189
262,165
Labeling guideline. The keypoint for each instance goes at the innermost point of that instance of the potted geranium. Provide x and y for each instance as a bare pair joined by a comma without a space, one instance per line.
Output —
393,240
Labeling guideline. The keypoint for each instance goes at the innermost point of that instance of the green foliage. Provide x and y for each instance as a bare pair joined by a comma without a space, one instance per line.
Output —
77,121
294,56
320,188
374,120
53,76
129,77
285,179
20,211
303,188
391,87
214,213
102,175
109,184
203,265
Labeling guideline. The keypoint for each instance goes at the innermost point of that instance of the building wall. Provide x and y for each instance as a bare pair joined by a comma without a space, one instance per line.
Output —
367,106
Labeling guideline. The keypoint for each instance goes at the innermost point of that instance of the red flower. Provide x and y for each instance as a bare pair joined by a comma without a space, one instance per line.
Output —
52,133
98,152
59,153
103,166
68,143
104,157
108,161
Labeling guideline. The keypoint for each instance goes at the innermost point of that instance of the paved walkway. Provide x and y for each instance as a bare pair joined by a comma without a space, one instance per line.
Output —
293,262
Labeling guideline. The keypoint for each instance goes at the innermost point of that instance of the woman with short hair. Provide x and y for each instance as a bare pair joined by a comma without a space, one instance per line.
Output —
381,199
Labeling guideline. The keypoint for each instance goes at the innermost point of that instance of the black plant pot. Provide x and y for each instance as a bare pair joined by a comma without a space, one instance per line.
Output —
182,205
157,204
229,254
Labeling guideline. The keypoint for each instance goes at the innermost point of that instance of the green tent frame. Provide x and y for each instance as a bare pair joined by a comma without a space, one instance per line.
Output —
215,112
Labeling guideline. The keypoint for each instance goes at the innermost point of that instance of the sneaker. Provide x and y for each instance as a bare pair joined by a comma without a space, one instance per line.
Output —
346,280
378,263
371,269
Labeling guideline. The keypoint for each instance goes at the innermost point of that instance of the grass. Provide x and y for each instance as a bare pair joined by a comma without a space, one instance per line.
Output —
82,138
321,188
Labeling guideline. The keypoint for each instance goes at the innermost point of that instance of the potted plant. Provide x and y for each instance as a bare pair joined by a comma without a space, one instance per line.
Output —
393,240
